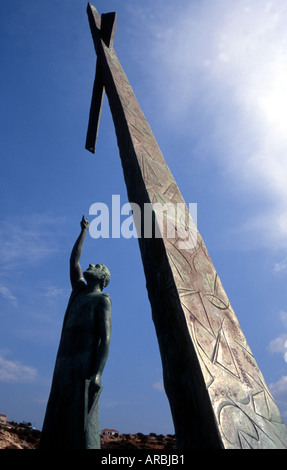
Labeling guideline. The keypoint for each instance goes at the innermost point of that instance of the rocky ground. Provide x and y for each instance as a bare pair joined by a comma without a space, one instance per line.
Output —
18,436
23,436
138,441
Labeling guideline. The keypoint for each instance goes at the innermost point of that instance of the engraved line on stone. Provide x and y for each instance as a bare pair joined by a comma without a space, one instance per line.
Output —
220,347
234,406
255,423
209,378
204,320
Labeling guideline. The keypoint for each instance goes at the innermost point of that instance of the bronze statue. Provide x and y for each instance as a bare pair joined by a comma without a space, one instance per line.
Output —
72,415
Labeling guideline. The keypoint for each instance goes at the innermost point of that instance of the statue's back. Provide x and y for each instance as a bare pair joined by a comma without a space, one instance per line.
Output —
64,421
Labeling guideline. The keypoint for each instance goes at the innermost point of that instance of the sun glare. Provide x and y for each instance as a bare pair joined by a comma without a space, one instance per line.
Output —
272,100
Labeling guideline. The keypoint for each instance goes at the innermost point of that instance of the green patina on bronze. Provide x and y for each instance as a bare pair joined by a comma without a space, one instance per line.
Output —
72,414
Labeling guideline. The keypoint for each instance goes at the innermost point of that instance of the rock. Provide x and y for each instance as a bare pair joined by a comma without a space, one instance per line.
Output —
23,436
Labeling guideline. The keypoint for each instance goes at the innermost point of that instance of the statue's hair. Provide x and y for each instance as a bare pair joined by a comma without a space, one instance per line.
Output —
105,276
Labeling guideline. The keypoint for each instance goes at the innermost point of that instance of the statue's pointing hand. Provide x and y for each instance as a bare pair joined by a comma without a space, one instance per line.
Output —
84,223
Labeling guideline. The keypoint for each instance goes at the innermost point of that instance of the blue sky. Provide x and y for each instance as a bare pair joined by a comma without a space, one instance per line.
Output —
211,78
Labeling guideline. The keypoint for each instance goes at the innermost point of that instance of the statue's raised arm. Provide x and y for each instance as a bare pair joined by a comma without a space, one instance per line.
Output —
75,267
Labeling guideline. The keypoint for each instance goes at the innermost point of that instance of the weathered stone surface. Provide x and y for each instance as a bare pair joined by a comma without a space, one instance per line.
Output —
217,394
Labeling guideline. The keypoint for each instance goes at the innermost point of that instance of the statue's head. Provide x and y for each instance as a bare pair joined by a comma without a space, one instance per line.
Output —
97,272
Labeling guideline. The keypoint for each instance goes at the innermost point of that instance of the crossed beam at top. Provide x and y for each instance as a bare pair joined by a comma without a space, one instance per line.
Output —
103,29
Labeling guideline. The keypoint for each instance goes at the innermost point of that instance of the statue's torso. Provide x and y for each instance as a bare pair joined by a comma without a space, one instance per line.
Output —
64,422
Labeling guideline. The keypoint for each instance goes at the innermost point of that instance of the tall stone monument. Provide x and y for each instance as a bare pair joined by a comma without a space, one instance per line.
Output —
217,394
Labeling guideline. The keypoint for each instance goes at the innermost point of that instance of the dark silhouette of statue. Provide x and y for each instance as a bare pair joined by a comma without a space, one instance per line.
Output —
72,415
